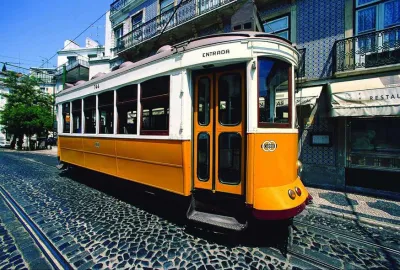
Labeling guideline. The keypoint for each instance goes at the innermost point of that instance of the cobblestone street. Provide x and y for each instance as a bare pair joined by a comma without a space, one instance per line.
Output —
93,229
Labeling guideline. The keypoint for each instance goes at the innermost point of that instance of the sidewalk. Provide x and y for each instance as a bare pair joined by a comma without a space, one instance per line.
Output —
362,208
49,152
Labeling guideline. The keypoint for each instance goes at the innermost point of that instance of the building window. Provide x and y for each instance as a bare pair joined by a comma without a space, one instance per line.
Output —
106,112
66,117
137,20
77,116
373,15
275,93
127,109
155,106
118,33
278,26
89,105
166,5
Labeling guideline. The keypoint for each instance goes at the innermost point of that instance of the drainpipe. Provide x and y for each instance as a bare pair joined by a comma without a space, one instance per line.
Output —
64,76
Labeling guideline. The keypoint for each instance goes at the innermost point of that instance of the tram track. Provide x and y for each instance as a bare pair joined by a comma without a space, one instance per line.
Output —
348,236
53,256
312,261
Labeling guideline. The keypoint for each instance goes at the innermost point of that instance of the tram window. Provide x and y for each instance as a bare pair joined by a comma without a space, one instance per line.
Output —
155,106
106,112
229,99
66,117
127,109
274,93
229,158
203,156
77,116
203,109
89,105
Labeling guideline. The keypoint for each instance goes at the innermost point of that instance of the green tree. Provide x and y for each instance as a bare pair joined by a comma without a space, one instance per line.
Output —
28,111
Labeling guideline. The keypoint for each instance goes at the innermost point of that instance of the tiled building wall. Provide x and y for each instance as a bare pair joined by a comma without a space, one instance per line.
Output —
319,24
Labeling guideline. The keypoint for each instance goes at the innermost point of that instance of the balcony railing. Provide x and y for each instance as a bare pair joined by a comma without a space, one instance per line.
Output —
374,49
72,65
189,9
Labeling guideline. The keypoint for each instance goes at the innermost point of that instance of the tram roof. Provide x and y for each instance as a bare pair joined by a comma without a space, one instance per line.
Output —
168,50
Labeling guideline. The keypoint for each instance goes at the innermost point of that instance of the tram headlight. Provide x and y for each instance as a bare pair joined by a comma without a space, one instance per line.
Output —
299,167
292,194
298,191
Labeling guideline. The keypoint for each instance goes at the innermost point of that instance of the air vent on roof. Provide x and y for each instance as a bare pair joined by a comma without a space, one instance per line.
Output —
164,48
79,82
126,64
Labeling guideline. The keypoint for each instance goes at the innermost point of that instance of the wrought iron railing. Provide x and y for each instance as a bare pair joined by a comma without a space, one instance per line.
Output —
187,10
301,70
369,50
72,65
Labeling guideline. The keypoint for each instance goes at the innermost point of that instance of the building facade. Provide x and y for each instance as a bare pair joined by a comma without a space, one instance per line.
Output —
73,62
348,100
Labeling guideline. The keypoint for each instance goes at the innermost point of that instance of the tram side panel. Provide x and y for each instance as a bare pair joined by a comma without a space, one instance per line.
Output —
163,164
273,171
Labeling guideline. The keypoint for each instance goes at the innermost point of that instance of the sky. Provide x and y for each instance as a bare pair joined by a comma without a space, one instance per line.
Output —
32,31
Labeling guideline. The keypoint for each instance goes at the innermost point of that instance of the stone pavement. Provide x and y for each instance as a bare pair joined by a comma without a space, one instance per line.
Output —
357,207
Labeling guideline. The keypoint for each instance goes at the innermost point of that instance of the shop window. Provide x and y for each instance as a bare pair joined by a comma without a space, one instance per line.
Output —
77,116
66,117
89,105
374,143
274,93
155,106
106,112
278,26
127,109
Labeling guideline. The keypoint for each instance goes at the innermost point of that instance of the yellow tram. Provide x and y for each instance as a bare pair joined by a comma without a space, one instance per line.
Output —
212,118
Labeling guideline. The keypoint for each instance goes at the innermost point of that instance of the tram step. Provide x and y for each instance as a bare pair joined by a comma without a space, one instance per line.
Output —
225,222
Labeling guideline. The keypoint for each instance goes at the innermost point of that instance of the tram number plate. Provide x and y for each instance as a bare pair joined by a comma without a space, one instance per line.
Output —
269,146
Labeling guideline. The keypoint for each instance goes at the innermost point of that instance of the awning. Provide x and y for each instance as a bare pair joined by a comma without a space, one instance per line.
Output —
367,97
304,96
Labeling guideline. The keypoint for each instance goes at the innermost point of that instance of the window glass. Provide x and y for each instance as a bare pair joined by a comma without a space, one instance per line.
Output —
229,99
165,5
66,117
155,106
118,33
229,158
279,27
366,19
137,20
127,109
77,116
89,105
363,2
273,85
203,110
391,13
203,156
106,112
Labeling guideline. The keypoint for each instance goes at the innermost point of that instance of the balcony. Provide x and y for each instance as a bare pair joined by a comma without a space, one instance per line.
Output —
71,66
376,49
188,10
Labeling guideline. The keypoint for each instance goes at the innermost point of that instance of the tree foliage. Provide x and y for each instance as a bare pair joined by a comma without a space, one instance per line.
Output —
28,110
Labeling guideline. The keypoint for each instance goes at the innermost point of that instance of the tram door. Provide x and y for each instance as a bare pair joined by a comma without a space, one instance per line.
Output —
219,126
